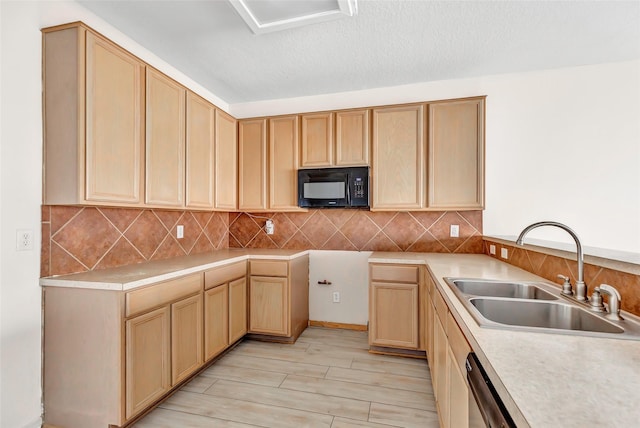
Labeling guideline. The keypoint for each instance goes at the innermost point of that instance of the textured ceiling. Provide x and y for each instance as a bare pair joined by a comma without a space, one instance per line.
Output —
388,43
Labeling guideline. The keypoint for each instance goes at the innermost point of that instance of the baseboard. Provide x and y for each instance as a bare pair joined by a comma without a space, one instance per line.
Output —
330,324
398,352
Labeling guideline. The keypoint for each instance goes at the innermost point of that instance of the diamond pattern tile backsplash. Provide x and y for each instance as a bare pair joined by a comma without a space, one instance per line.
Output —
342,229
80,239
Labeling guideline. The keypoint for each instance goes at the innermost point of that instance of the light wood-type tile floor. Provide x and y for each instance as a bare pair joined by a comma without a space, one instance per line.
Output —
326,379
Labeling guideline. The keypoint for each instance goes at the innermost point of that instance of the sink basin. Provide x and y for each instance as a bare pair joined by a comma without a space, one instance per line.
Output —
491,288
555,315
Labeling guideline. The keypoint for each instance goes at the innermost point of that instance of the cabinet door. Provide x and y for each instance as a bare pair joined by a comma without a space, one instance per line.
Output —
237,309
252,164
390,326
199,153
317,140
186,337
458,394
283,163
147,359
165,133
216,320
456,154
269,305
352,137
114,131
440,373
226,160
398,158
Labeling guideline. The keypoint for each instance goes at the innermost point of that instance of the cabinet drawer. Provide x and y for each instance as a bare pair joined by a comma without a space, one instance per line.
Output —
159,294
457,341
394,273
269,267
441,307
224,274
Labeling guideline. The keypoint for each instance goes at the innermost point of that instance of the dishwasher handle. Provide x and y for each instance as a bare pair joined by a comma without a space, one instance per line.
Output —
491,407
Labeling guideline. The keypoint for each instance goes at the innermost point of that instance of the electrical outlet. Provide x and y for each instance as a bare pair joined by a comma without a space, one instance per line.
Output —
504,253
269,227
492,249
336,297
24,240
454,231
179,231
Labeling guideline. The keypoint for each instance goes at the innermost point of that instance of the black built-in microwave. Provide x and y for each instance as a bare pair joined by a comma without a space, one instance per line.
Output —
334,187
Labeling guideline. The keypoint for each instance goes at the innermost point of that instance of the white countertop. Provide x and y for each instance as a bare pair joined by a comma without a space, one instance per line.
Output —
132,276
545,380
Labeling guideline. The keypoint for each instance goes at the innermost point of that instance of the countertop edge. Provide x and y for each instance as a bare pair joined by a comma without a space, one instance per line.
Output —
68,281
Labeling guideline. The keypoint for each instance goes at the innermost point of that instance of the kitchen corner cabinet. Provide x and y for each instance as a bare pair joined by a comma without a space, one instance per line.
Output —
165,141
226,162
252,165
279,298
317,140
200,146
225,307
456,154
398,158
283,163
395,306
93,120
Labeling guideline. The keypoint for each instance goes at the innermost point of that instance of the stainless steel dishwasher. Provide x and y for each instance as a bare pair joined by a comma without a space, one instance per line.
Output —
485,406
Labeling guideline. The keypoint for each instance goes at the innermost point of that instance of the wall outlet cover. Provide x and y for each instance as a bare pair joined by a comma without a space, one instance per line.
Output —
180,231
492,249
454,231
504,253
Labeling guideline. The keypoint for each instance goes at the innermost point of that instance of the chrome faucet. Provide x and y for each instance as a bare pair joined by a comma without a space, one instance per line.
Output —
581,287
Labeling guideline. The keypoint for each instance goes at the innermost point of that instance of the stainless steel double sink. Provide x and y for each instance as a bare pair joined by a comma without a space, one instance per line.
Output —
535,306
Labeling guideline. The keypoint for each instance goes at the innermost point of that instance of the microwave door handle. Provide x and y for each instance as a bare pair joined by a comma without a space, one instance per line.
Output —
348,192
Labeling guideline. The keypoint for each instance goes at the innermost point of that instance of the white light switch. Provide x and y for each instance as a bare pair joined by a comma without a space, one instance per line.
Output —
180,231
454,231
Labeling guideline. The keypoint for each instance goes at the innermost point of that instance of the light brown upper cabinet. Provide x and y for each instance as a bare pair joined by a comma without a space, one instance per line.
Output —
200,152
226,162
352,137
398,158
94,109
317,140
165,133
283,163
456,154
252,165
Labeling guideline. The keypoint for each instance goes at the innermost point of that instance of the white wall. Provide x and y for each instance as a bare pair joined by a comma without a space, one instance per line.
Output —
561,145
20,191
348,272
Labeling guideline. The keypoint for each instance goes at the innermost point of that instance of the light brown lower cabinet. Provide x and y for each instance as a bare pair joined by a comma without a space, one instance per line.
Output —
396,307
448,372
269,305
216,320
147,359
225,307
237,309
279,298
186,338
110,355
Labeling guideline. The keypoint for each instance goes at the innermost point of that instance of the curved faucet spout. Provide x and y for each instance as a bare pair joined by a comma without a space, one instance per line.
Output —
581,287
